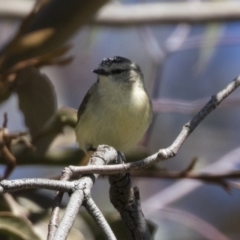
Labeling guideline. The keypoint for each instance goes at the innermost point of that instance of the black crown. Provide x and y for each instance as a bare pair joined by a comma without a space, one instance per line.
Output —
116,59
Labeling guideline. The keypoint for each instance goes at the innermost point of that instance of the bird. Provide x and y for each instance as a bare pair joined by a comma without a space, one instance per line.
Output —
117,109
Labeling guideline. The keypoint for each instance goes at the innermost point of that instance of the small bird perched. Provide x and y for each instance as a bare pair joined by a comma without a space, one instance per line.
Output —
117,110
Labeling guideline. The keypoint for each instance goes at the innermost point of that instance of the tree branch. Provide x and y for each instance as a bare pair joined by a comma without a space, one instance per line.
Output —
102,156
143,13
127,201
98,217
72,209
54,218
171,151
218,178
35,183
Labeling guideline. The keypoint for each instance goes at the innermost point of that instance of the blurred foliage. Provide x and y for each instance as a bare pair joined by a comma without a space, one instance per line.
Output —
116,225
40,41
38,212
47,28
16,227
37,101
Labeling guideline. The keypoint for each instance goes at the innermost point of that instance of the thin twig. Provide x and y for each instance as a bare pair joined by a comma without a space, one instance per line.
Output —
54,218
5,147
98,217
35,183
180,189
219,179
172,150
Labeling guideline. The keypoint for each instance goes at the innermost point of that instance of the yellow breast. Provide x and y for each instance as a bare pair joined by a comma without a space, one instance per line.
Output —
118,115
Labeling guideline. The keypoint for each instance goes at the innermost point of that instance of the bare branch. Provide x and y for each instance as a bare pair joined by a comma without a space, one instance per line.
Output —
102,156
5,147
81,195
219,179
180,189
145,13
35,183
98,217
72,209
127,201
171,151
15,9
54,218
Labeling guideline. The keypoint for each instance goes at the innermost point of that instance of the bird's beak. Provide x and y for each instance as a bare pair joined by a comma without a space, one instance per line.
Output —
100,71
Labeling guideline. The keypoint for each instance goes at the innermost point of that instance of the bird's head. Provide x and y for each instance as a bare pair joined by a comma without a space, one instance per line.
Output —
119,69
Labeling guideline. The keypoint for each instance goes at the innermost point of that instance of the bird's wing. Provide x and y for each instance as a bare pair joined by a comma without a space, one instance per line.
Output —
83,104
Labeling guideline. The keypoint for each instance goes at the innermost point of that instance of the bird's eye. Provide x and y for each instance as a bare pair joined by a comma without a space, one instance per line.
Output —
117,71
